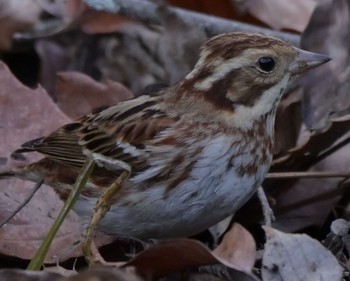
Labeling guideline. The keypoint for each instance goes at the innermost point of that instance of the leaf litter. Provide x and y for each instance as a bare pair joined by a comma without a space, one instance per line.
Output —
136,56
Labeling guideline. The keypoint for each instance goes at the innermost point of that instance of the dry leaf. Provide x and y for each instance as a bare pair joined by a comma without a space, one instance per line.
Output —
26,114
305,202
106,274
130,57
288,122
90,20
282,14
292,257
73,9
16,16
319,141
95,22
77,94
171,256
327,87
177,54
244,254
53,58
60,270
23,275
220,228
93,274
236,251
203,277
22,113
141,56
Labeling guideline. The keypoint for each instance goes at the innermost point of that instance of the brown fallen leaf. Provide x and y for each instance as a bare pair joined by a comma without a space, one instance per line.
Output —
106,274
288,122
171,256
78,94
204,277
26,114
177,54
16,16
90,20
327,88
237,251
309,201
23,275
95,22
22,235
93,274
141,56
282,14
53,58
325,104
312,146
292,257
304,202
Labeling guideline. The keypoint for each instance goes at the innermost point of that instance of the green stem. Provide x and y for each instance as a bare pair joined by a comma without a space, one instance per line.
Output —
38,260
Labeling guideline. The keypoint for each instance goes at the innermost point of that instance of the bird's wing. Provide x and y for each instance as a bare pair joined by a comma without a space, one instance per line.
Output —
120,132
60,146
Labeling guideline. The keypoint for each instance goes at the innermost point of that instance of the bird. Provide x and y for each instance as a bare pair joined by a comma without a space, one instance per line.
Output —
195,152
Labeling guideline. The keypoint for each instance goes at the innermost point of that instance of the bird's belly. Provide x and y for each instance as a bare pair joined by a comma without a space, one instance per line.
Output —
204,199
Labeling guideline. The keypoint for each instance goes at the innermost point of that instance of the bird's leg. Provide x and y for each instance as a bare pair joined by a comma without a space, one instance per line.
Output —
96,258
103,204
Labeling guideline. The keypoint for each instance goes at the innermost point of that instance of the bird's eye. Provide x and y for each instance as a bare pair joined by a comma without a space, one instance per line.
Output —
266,64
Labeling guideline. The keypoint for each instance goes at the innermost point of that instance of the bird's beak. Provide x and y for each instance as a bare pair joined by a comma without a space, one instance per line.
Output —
306,60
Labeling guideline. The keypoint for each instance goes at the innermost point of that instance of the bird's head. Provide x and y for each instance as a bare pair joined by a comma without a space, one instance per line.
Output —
245,74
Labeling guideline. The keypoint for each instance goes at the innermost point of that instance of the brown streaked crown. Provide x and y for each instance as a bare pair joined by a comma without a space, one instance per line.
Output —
233,44
228,74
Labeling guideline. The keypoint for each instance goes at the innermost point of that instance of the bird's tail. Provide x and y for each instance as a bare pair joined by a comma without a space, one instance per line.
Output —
25,172
13,173
7,174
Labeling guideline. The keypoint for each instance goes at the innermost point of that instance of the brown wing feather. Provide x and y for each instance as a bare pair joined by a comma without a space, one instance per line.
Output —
60,146
120,132
126,139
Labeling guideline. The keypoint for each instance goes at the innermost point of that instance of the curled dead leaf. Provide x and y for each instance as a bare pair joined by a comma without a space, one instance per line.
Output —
297,257
237,251
313,145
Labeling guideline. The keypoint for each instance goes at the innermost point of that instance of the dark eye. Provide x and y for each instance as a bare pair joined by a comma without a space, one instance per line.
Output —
266,64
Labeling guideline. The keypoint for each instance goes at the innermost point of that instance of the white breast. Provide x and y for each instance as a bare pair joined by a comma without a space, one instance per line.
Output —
212,192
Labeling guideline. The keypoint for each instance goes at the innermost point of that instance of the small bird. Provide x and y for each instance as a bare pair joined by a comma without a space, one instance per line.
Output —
195,152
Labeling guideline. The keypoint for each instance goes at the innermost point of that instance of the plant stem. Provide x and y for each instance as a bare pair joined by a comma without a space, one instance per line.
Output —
85,173
323,174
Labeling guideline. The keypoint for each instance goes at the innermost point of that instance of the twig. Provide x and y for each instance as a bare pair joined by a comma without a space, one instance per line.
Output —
25,202
326,174
85,173
269,217
146,11
331,150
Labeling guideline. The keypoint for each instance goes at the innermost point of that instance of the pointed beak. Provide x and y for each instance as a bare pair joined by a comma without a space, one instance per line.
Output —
306,60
